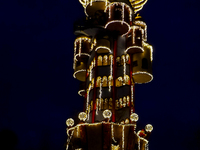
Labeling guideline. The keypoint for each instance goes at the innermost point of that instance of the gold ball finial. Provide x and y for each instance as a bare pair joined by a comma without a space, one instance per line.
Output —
107,114
148,128
82,116
70,122
134,117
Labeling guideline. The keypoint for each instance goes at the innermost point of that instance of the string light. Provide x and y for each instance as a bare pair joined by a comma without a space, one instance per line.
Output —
112,133
122,137
78,71
103,47
132,97
119,21
134,47
81,91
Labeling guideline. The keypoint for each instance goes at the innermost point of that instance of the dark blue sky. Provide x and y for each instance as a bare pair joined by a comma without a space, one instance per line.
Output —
38,92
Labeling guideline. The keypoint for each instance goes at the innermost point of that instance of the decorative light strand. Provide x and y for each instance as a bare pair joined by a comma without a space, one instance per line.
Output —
122,137
119,21
82,70
132,98
111,72
112,133
100,94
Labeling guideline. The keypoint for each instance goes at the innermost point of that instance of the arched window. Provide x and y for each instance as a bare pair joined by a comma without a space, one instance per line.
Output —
119,81
126,80
144,63
123,59
138,37
120,102
92,83
124,101
110,81
110,103
128,101
105,60
127,59
104,82
99,63
101,103
98,81
105,106
110,59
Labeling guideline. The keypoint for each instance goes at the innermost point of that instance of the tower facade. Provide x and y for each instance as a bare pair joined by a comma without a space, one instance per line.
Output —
111,55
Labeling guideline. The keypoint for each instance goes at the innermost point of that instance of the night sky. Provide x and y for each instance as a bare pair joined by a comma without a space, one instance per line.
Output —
38,92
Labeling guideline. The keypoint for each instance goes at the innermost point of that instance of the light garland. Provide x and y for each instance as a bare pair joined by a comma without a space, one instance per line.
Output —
112,133
123,5
79,41
107,114
97,106
134,117
100,94
132,98
143,24
122,137
80,91
110,78
119,21
134,47
151,50
81,70
103,47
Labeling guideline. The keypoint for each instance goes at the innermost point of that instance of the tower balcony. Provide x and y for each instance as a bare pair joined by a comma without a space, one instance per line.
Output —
80,70
82,46
119,17
92,6
142,65
134,41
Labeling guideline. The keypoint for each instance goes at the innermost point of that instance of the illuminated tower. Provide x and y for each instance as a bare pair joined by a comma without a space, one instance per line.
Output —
111,55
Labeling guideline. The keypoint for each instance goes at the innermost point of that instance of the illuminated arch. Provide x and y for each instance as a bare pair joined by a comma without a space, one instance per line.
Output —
110,81
105,60
126,80
99,62
127,58
104,82
119,81
98,82
123,59
124,101
110,59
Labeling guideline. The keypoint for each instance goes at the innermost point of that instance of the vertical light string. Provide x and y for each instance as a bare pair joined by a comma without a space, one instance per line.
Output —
94,90
112,133
139,144
122,137
122,13
111,72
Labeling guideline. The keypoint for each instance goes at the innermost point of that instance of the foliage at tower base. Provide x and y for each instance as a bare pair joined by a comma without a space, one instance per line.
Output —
111,55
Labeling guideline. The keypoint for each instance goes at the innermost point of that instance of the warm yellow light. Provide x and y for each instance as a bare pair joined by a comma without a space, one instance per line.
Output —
107,113
82,116
134,117
70,122
148,128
